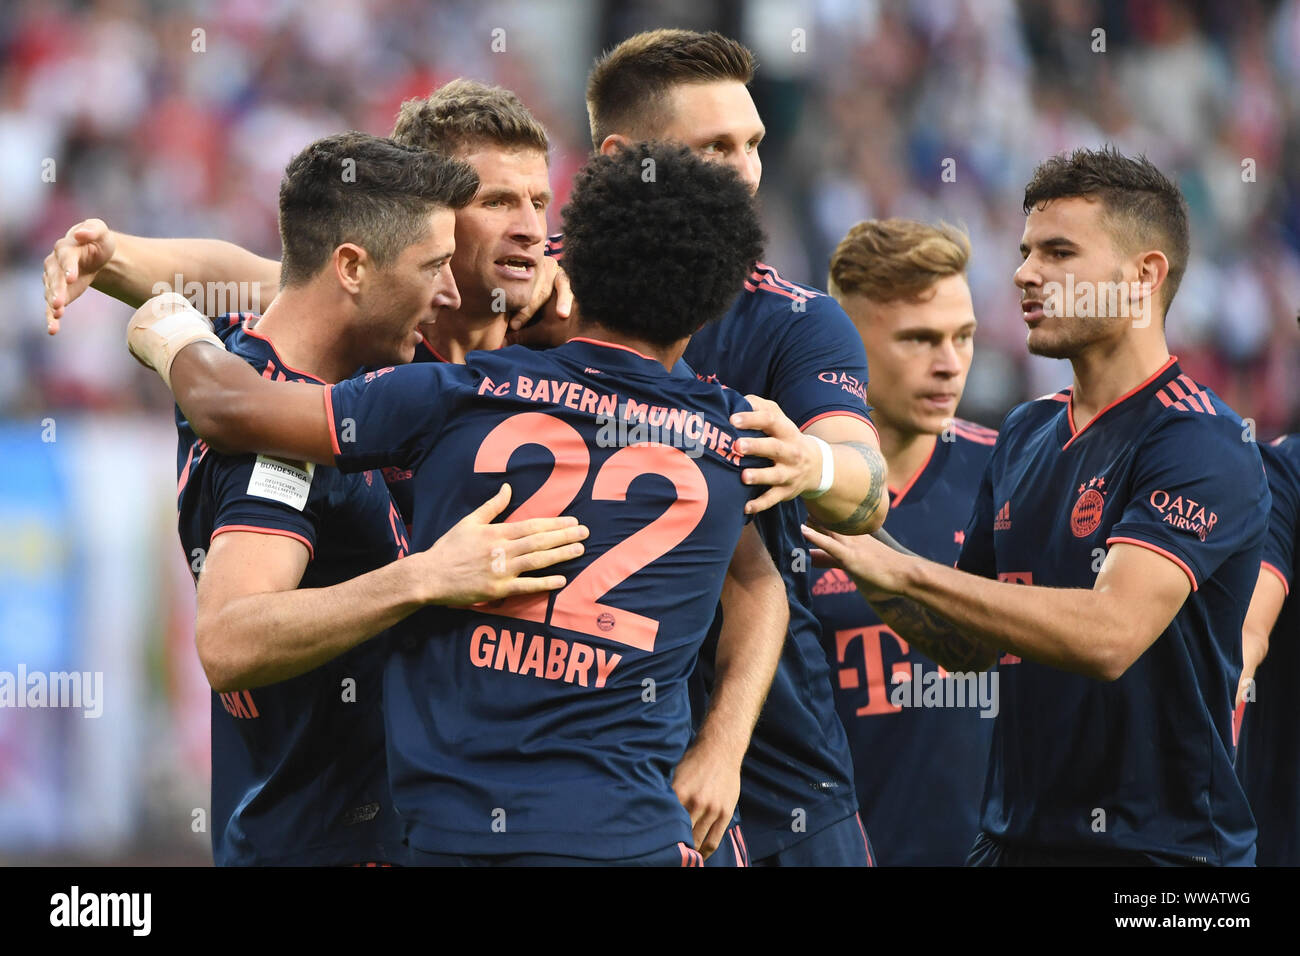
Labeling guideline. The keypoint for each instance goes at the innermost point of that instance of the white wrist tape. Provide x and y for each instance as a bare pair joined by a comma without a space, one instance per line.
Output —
162,327
828,470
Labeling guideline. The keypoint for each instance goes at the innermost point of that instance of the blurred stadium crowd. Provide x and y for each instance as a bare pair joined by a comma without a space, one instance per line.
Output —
178,118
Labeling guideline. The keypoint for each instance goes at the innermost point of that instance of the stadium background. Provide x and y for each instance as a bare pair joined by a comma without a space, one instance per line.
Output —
160,138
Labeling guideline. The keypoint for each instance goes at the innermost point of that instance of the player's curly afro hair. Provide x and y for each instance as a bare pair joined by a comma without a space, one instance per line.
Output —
658,242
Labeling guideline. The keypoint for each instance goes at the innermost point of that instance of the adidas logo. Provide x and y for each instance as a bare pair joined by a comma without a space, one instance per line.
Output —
834,581
1002,520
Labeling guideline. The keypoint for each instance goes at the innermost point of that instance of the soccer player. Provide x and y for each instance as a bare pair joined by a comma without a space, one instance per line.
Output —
498,257
537,731
1113,546
498,265
296,566
1268,752
919,771
795,347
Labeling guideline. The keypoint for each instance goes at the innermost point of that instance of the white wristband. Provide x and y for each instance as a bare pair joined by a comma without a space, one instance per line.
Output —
828,470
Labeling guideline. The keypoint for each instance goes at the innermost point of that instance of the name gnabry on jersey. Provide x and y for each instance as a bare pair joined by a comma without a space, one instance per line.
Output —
556,659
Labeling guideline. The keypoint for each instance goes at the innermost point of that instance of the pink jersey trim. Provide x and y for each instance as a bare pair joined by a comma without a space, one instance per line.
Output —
1069,411
612,345
1158,550
329,420
898,496
1266,566
862,418
311,552
248,330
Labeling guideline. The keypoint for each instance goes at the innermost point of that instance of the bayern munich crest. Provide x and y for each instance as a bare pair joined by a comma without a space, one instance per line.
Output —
1086,515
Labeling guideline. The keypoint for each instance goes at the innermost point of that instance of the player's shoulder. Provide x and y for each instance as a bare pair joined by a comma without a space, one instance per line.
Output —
1183,397
971,445
1184,408
970,433
1191,426
238,332
764,281
1034,413
230,328
769,296
225,325
1282,459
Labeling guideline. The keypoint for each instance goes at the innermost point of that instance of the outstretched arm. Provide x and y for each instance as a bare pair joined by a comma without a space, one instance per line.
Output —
220,275
227,403
950,614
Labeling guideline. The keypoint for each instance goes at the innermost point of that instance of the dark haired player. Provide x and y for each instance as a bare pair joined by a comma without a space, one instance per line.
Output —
919,769
498,256
295,565
1123,520
536,730
795,347
1268,752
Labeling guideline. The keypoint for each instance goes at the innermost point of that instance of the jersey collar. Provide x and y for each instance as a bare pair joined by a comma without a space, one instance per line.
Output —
611,357
267,347
1129,399
924,477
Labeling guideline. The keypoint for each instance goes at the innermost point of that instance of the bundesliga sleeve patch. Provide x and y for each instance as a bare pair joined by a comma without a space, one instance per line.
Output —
287,482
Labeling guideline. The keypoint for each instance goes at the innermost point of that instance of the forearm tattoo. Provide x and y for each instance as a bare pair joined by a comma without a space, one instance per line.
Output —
865,511
934,635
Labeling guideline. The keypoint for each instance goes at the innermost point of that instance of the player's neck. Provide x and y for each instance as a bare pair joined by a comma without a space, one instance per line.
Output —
905,451
1109,370
298,325
667,356
455,334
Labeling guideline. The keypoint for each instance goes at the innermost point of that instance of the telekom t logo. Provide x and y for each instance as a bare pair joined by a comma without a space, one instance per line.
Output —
874,641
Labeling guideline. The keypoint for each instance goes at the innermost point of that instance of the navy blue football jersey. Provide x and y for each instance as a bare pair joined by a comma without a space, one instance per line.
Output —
552,724
399,479
795,346
298,769
920,750
1144,763
1268,753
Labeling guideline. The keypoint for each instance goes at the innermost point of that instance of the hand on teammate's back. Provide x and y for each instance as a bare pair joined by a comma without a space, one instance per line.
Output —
72,265
796,458
476,560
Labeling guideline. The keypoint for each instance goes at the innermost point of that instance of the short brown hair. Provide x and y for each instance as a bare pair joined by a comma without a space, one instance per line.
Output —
628,84
466,113
1140,205
891,260
359,188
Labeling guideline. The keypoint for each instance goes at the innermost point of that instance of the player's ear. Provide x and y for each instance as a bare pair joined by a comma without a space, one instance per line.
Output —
1153,267
350,264
613,143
